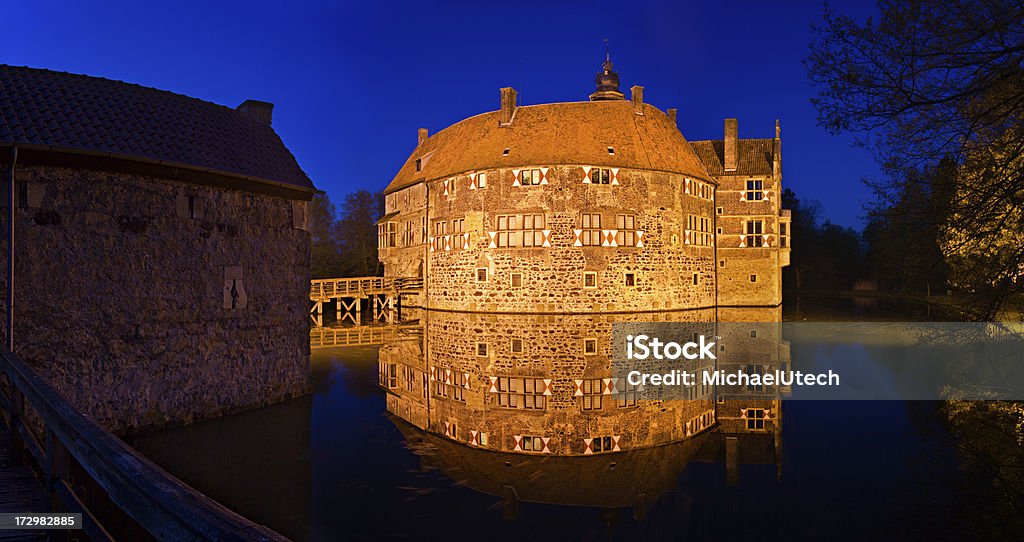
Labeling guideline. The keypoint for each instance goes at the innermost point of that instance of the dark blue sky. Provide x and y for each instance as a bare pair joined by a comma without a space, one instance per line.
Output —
351,83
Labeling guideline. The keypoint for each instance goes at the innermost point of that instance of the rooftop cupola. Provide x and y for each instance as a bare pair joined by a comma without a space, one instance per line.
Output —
607,82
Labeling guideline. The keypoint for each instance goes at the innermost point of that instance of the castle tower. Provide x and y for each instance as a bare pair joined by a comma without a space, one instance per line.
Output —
607,82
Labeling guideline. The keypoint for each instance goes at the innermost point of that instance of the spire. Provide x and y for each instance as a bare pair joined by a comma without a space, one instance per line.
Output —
607,80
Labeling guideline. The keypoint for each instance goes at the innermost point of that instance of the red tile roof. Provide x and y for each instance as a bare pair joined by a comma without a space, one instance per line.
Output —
66,112
572,133
753,156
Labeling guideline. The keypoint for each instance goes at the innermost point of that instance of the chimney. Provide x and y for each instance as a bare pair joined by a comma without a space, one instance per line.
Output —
259,111
777,151
637,95
508,106
421,136
672,116
731,134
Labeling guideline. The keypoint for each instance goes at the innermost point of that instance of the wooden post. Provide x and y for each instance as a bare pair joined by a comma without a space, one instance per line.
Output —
732,468
17,419
58,468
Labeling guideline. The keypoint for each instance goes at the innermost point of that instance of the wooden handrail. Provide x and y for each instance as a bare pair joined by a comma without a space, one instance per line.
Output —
163,505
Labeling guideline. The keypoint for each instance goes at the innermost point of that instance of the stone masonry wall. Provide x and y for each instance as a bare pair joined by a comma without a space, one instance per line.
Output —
664,267
121,287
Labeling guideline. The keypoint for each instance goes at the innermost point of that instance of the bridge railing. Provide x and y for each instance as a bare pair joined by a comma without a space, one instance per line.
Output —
349,287
160,503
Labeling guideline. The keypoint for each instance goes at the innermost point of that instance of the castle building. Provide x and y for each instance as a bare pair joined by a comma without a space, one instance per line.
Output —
594,206
161,248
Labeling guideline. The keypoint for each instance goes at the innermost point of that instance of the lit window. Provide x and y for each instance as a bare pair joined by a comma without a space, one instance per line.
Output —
600,176
520,231
529,177
589,279
521,393
755,190
592,398
700,230
626,397
481,180
591,234
754,232
532,444
626,236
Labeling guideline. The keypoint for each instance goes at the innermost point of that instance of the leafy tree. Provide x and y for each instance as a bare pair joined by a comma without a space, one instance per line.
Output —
325,258
357,232
930,82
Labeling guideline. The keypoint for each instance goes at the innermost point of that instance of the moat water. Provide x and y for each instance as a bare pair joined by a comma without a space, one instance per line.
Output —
335,466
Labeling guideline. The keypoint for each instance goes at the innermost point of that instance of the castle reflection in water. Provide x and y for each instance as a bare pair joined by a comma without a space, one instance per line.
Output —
528,407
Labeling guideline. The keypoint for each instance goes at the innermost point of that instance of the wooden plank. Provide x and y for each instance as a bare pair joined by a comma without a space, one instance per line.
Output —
20,491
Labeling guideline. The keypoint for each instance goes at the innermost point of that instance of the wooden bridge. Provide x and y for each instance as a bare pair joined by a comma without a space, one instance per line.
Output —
383,295
328,337
58,460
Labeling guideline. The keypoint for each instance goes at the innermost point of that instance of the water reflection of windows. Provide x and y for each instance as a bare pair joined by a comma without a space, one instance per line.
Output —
409,375
455,391
755,418
592,398
523,393
626,397
387,375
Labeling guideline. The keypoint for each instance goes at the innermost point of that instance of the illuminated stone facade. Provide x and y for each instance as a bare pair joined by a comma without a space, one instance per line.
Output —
582,207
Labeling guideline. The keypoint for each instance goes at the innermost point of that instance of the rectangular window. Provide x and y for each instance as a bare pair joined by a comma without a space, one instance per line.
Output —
521,393
516,346
695,279
591,234
455,391
423,229
719,210
626,236
452,184
754,232
481,274
419,164
529,177
516,280
755,190
589,279
520,230
481,180
626,397
600,176
753,278
755,418
532,444
630,280
589,346
699,228
458,227
601,444
387,375
592,397
387,234
481,350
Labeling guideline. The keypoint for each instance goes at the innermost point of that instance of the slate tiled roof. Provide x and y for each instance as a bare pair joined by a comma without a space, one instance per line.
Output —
753,156
572,133
78,113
